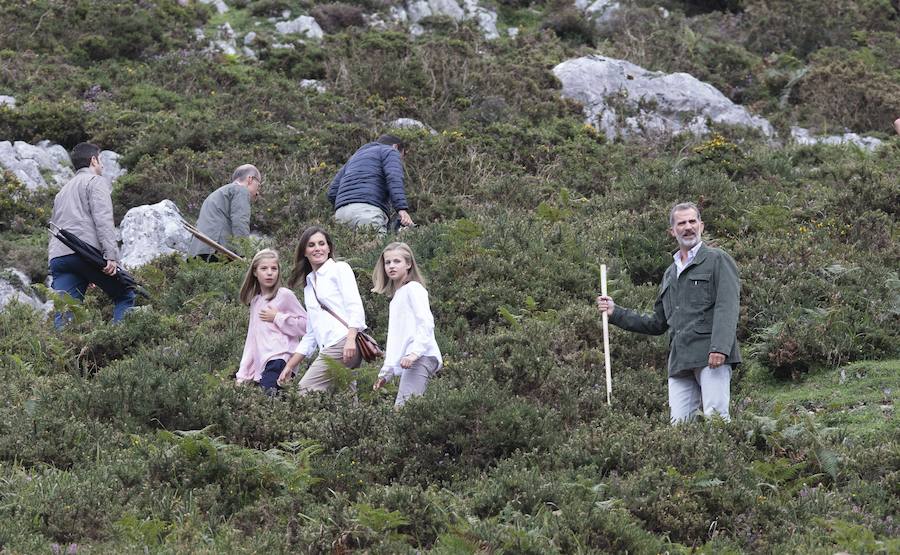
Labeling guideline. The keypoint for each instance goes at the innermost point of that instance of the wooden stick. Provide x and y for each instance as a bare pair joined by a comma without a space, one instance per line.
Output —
606,338
203,238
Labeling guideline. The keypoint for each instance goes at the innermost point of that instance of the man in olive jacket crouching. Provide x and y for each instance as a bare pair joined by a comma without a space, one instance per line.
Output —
698,303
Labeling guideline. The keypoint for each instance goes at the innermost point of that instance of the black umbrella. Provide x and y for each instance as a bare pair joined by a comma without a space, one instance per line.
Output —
92,255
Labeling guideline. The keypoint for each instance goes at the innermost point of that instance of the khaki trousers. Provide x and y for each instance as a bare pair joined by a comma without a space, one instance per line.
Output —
316,377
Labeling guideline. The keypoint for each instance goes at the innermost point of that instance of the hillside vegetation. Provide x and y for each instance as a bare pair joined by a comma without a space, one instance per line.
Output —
134,438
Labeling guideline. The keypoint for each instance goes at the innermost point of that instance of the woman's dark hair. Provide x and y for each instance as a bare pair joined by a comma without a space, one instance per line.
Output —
302,267
83,153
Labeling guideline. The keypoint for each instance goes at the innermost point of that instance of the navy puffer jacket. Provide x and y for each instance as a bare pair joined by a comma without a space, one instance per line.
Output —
373,175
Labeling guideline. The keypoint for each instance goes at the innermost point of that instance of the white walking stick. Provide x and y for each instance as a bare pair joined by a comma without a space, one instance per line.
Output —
606,338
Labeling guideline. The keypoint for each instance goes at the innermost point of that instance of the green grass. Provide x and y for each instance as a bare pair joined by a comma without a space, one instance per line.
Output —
858,399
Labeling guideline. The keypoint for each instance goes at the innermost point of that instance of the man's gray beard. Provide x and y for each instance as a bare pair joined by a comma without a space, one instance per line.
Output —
688,243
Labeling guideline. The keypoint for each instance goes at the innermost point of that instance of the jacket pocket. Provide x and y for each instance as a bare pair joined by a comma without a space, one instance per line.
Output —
698,289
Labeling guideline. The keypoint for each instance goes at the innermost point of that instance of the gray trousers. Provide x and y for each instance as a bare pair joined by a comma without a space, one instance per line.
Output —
360,214
710,387
414,379
316,377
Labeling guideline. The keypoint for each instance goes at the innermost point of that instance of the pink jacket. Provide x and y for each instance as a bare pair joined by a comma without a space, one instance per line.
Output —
271,340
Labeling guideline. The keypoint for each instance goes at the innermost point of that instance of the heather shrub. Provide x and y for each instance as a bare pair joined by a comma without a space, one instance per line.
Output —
59,121
129,30
570,25
805,26
845,88
484,424
337,16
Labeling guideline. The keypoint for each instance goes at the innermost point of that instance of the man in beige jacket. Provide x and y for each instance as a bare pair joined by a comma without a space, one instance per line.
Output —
84,207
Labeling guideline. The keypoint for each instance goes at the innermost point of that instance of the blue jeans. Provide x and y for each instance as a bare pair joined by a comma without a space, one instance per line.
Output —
72,275
269,379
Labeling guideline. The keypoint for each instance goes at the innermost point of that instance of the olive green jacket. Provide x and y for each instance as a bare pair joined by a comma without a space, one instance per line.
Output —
699,308
224,214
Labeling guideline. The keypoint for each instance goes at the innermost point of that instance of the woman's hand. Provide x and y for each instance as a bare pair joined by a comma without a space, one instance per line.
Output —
286,376
408,360
350,351
268,314
349,354
379,383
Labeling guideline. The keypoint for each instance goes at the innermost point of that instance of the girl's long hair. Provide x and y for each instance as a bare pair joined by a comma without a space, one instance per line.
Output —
382,283
302,267
250,288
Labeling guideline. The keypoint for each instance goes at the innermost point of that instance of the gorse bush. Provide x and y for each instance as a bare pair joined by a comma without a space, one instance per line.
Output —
134,437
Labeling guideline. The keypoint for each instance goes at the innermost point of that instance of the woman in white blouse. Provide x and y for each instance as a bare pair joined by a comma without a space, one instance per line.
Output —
412,352
331,284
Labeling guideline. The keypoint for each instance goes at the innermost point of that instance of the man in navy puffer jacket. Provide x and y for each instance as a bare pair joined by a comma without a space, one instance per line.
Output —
369,184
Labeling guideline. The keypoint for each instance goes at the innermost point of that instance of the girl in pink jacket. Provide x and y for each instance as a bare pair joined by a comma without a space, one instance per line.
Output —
277,322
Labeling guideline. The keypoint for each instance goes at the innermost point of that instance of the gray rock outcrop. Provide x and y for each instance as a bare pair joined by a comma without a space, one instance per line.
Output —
409,123
313,84
601,11
151,231
303,25
34,165
15,286
418,10
224,41
802,136
111,167
8,101
219,5
623,99
31,163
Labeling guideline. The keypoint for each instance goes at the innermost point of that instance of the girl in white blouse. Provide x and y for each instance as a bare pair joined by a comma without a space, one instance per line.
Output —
412,352
326,283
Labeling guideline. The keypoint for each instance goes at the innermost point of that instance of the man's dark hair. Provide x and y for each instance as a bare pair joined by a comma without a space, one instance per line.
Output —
391,140
82,154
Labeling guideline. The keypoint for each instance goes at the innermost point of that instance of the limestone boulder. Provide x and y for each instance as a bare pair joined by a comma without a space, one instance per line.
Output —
804,137
418,10
313,84
151,231
409,123
303,25
8,101
219,5
111,167
601,11
15,286
624,99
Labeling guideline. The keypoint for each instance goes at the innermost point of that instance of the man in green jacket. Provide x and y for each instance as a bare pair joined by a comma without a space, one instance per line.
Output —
698,303
226,211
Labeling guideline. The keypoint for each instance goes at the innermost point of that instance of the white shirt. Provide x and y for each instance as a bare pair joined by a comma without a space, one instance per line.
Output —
336,289
679,265
410,329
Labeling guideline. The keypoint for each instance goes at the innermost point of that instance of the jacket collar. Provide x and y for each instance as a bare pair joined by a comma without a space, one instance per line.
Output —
323,270
701,255
672,271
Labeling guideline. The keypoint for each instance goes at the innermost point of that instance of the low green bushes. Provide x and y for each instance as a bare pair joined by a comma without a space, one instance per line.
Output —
134,437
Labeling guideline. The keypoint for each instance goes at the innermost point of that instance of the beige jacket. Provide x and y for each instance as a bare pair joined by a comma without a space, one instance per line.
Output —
84,207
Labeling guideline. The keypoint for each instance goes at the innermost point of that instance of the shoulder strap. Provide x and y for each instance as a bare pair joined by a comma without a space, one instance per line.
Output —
328,310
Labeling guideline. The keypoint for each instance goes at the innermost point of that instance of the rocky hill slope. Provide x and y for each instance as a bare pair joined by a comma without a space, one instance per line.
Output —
547,138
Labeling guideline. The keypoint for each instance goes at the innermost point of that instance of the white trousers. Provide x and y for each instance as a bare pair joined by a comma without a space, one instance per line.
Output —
706,387
414,379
